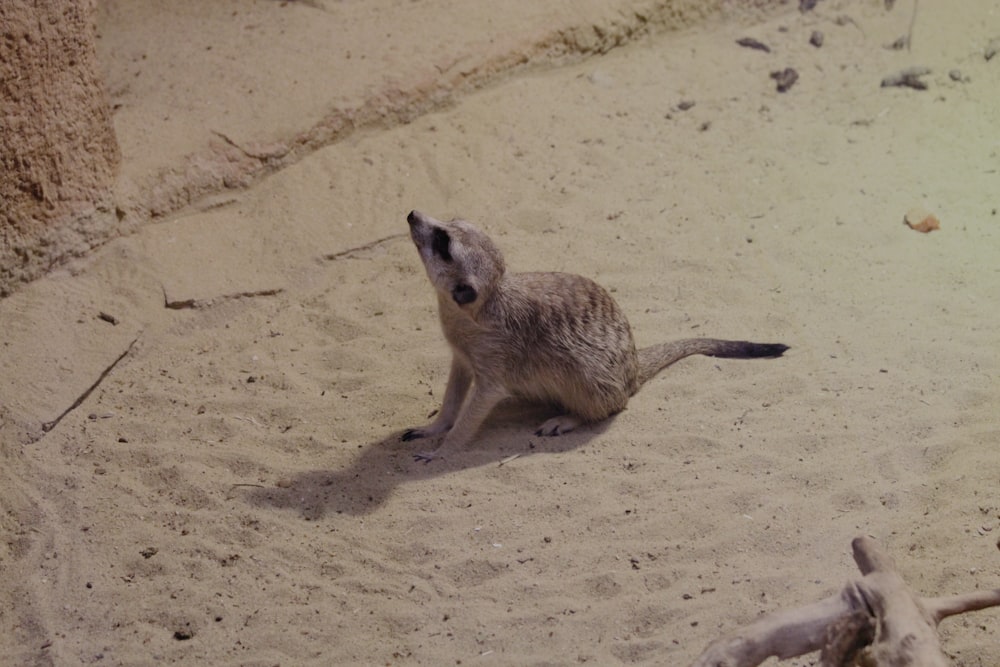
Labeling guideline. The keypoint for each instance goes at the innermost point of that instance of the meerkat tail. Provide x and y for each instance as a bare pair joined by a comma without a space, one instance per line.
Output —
655,358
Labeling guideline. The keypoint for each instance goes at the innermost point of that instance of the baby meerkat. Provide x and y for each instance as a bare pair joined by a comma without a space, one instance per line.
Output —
556,338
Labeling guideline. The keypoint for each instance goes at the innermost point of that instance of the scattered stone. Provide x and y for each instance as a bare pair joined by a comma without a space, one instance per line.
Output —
601,78
956,75
816,38
110,319
807,5
992,49
845,19
785,78
684,105
920,220
751,43
909,77
899,44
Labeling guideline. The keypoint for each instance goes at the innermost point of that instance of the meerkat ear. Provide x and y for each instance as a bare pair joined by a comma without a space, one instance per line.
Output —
463,294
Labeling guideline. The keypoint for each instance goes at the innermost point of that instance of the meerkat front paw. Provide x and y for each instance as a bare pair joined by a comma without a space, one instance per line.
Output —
424,432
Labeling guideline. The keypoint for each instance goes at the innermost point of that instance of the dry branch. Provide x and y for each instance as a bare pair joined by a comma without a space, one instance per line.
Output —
49,425
876,620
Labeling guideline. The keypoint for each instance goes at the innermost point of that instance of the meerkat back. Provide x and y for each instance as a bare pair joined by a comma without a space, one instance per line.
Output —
576,346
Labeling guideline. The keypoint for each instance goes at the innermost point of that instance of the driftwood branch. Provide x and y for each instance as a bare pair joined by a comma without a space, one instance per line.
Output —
876,620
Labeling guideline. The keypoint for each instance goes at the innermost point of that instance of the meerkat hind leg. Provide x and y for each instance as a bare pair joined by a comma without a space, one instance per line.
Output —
559,425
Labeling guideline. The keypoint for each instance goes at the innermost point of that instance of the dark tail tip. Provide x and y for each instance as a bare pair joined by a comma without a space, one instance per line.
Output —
747,350
764,350
768,350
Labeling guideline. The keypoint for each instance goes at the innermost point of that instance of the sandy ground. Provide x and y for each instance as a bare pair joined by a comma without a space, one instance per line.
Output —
234,491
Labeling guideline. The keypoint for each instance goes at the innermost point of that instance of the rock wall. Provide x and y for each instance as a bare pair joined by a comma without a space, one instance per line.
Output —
57,145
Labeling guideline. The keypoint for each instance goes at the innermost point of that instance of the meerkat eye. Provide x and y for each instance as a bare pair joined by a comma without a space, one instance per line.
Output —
463,294
441,244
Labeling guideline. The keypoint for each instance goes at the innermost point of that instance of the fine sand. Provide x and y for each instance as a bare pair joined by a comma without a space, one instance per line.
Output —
233,491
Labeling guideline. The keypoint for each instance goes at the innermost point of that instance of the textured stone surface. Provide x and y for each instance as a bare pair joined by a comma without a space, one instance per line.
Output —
57,146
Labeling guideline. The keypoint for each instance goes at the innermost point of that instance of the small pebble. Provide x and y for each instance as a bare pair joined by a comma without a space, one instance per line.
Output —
920,220
816,38
909,77
751,43
899,44
785,78
992,49
600,78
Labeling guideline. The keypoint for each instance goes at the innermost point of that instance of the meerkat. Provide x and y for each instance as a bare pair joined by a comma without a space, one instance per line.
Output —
555,338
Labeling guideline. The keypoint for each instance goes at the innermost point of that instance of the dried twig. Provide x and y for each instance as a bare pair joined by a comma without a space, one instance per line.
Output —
876,619
49,425
913,21
367,246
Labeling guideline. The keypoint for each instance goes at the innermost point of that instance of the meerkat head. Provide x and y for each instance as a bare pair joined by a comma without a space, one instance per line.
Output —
461,261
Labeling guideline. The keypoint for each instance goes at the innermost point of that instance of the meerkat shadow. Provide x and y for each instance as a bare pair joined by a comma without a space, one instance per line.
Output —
381,466
357,489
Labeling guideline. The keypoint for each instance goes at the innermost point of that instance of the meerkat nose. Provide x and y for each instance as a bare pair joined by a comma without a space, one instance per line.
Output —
413,218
